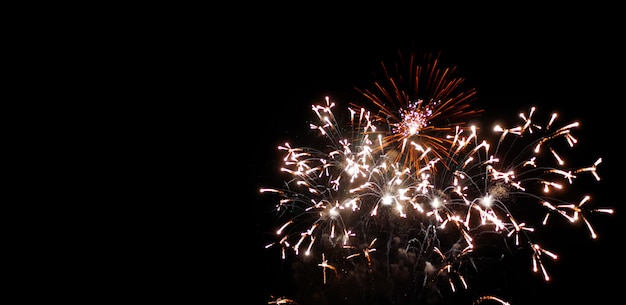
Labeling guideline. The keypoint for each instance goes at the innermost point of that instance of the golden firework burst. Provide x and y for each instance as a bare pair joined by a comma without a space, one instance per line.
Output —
422,103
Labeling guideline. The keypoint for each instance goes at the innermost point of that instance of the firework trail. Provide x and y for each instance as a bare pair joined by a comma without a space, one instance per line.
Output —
428,225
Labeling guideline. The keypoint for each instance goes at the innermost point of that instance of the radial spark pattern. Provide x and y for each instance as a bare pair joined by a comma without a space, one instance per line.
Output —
420,100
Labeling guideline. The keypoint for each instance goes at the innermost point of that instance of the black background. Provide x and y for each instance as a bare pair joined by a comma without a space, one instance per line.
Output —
190,103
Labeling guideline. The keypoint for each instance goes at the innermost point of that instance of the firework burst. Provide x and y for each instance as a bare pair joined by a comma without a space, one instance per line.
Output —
431,226
420,102
411,204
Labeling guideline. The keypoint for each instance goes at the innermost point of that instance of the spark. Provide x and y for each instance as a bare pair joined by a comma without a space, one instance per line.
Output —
490,298
325,265
577,213
538,251
282,301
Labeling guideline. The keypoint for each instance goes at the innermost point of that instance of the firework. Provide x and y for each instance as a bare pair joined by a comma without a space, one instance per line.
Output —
420,102
419,231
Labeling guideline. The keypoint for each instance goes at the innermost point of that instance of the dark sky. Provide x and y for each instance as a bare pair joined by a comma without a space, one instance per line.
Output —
284,63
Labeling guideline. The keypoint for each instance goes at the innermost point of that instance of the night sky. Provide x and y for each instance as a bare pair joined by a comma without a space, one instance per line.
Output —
286,63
